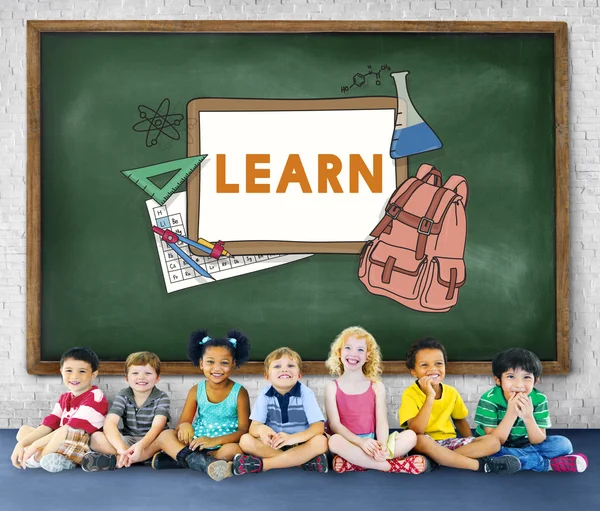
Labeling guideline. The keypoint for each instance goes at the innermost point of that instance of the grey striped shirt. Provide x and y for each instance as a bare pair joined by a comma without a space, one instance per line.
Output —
137,421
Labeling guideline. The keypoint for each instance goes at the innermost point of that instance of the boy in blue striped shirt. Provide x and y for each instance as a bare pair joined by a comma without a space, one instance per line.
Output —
287,428
517,413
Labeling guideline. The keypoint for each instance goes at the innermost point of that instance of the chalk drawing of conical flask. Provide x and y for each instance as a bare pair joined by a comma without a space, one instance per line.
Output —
412,135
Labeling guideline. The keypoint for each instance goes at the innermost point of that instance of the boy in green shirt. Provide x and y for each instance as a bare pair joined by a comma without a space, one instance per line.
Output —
518,415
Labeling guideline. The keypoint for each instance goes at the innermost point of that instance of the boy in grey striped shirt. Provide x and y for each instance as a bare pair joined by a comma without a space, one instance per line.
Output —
144,410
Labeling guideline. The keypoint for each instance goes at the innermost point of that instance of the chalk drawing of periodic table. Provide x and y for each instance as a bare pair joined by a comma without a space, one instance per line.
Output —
178,274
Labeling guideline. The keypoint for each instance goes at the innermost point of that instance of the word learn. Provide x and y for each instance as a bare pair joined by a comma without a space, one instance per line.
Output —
329,168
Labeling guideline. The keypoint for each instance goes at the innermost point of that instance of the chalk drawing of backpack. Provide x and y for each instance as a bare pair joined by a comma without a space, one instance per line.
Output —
417,256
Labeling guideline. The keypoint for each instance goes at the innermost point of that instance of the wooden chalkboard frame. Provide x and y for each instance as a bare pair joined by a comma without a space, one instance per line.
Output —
559,30
194,181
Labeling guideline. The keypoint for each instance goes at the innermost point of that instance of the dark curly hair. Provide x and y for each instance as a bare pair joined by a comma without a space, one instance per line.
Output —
200,340
426,343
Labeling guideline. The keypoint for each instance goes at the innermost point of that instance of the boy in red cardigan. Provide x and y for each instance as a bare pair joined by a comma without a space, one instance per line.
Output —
63,438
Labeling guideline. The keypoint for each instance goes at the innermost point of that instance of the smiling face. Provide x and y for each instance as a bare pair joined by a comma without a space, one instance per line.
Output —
284,373
77,375
429,362
217,364
142,378
354,353
515,381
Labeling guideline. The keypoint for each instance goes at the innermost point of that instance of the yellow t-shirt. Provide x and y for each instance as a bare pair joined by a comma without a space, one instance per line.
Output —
449,406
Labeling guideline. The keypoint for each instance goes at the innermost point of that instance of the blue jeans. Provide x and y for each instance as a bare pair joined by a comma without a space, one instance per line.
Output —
537,457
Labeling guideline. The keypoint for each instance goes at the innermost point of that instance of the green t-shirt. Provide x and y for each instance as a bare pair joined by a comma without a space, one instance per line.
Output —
492,409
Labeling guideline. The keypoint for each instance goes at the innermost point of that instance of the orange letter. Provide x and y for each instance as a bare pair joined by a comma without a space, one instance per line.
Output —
252,173
222,186
357,165
329,174
290,175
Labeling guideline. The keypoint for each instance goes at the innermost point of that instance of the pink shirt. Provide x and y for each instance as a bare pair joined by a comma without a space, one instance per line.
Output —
86,411
356,411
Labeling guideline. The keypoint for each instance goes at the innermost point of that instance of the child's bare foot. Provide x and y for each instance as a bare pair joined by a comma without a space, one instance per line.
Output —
419,464
415,464
340,465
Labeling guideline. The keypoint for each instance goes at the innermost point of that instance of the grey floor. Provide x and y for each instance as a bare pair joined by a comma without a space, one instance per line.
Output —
141,488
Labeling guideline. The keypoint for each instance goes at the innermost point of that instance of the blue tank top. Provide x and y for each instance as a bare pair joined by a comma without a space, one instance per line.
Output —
216,419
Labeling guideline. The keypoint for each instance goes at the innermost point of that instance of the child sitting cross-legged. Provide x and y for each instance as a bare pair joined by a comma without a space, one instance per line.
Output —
435,411
517,413
221,406
287,423
357,413
144,410
63,438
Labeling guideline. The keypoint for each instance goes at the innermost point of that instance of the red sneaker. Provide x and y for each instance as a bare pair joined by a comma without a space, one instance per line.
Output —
570,463
246,464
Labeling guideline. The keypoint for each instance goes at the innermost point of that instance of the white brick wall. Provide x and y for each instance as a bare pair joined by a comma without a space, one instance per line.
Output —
574,399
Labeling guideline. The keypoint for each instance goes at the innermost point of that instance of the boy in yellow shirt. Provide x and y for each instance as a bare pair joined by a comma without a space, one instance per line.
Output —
435,411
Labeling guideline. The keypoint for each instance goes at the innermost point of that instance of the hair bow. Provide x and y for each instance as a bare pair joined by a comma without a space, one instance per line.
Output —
233,341
205,340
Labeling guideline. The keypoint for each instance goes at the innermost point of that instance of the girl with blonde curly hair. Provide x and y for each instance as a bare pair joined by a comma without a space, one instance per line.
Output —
357,413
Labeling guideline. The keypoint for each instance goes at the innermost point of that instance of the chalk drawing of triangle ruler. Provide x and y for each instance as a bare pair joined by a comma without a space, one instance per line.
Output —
184,167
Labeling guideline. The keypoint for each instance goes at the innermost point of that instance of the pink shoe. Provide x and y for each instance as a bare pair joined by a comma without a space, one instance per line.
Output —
570,463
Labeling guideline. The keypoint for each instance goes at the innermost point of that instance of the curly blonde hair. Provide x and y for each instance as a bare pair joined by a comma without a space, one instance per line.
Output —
372,368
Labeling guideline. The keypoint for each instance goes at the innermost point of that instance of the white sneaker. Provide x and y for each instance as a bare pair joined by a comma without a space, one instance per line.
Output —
56,463
32,463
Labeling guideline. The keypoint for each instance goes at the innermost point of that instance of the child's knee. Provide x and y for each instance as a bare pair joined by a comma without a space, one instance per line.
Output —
559,444
23,432
228,451
336,443
494,443
167,433
407,436
246,442
319,443
98,435
97,440
423,441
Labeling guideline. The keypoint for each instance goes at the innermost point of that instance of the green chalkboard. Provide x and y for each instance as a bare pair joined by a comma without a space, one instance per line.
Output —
495,94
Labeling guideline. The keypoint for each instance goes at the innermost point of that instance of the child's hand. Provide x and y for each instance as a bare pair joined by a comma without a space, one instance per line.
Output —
370,446
512,404
17,455
185,433
122,458
524,406
266,435
381,454
202,442
28,453
282,439
134,453
426,384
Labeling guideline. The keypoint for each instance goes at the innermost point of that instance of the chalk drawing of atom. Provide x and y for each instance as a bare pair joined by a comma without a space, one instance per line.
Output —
158,122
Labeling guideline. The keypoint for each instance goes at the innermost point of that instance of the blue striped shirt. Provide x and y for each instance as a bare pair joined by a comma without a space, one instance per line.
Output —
291,413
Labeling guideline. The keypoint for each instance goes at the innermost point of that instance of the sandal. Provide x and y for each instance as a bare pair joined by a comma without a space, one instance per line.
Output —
407,466
346,466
